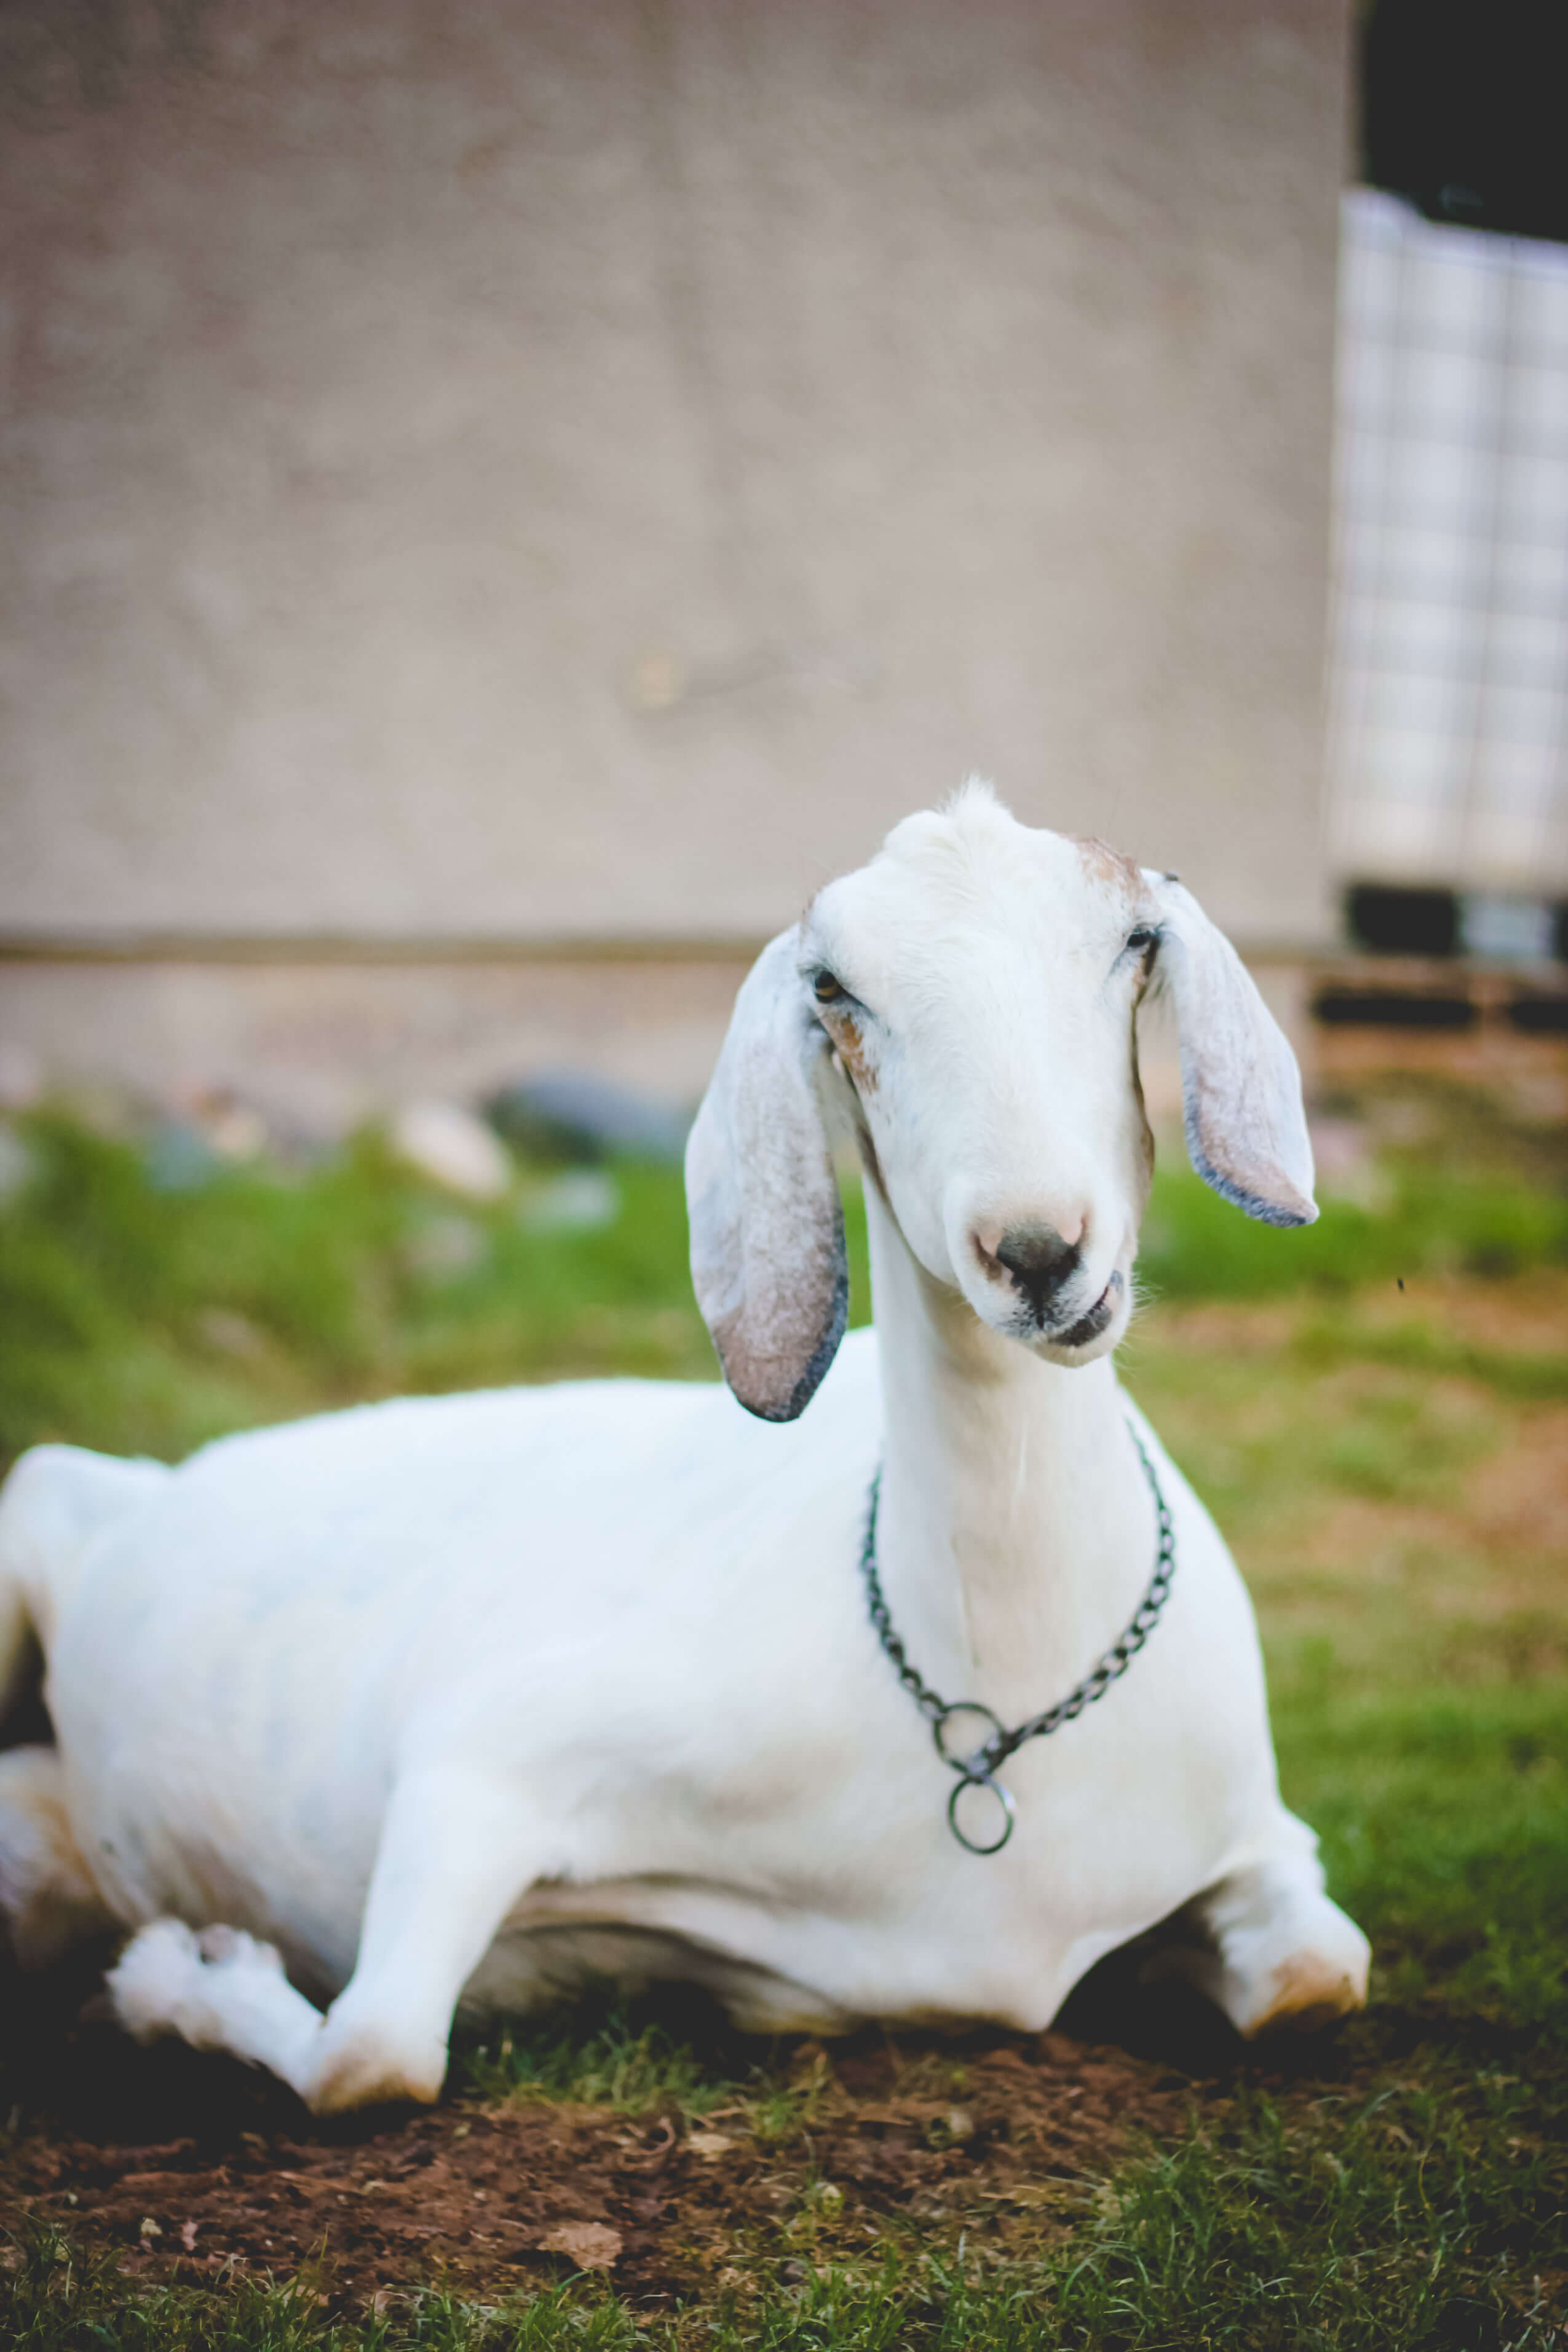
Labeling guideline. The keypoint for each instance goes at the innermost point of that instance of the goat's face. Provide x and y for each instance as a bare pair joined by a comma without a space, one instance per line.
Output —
971,996
979,981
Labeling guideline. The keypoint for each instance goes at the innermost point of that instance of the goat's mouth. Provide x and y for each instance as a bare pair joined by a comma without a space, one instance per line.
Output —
1090,1326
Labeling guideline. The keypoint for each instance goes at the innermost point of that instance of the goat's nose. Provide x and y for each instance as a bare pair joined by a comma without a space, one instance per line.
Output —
1039,1260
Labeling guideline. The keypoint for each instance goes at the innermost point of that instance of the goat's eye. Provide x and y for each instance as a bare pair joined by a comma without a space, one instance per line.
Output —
826,989
1143,942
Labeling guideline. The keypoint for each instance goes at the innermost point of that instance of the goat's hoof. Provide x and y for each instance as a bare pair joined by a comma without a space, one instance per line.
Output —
1307,1986
155,1975
1307,1992
366,2066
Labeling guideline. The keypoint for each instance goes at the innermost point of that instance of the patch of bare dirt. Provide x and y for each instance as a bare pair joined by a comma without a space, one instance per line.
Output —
1493,1550
1518,1499
1227,1327
1525,1314
194,2168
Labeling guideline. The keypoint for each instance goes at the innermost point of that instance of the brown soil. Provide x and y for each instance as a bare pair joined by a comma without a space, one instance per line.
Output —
1522,1315
191,2167
1490,1555
1525,1314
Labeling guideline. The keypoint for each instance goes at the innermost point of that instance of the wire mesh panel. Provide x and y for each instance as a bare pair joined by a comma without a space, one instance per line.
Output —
1448,704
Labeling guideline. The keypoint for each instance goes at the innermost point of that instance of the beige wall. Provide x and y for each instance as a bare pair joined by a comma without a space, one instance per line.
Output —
578,472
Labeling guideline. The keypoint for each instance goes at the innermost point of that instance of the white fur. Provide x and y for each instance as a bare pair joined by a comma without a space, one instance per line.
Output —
466,1698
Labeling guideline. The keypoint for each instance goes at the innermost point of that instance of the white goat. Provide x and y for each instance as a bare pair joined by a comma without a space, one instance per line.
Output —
456,1700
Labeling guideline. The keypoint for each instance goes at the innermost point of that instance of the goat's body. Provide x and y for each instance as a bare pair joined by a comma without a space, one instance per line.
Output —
461,1699
244,1661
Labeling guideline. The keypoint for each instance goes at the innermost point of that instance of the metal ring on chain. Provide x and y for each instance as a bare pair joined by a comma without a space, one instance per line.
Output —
976,1754
995,1788
978,1768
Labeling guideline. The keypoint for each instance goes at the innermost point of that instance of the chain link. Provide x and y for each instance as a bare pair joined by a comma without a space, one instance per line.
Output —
978,1768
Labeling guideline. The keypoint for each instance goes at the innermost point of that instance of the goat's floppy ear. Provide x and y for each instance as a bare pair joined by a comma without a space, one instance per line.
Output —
767,1232
1241,1090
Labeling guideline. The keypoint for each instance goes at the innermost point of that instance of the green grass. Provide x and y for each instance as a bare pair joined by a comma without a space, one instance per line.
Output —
141,1319
1435,1217
1416,2216
147,1320
1373,1457
1444,1819
596,2056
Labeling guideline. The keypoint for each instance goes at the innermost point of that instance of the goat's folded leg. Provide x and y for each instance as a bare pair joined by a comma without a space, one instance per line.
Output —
47,1899
451,1862
219,1990
1266,1944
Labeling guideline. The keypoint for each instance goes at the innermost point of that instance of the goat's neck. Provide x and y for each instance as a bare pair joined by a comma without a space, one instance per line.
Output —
1016,1530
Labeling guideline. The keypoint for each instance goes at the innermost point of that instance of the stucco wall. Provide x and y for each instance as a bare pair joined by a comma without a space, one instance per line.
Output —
580,471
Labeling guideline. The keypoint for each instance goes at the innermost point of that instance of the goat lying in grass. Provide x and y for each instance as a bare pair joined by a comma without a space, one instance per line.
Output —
456,1700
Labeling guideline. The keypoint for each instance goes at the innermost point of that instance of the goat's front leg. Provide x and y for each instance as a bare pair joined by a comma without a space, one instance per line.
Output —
452,1859
1275,1950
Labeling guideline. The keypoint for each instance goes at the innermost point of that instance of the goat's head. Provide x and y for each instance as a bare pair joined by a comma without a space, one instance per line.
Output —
969,997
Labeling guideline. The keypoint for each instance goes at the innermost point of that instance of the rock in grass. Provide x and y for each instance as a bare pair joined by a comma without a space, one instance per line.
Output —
573,1115
592,2245
449,1145
178,1157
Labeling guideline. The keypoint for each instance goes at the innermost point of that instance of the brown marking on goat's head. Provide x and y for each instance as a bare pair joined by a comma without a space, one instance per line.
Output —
1107,865
845,1034
850,1052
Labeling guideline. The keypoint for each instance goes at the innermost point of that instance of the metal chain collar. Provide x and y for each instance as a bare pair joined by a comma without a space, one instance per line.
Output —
977,1768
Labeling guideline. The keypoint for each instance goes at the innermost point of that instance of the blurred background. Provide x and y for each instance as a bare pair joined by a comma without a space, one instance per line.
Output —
500,502
503,502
